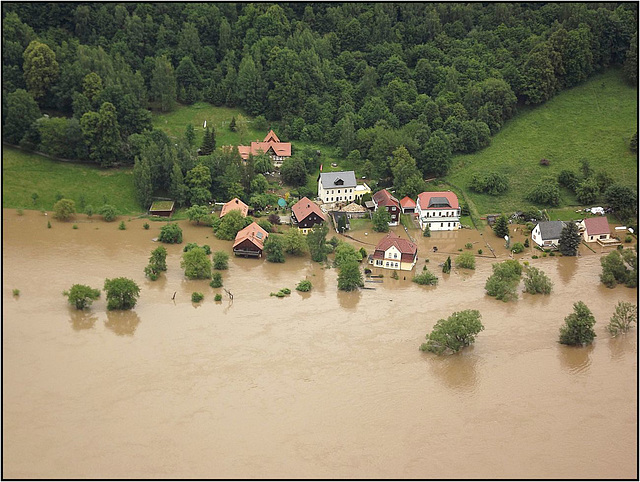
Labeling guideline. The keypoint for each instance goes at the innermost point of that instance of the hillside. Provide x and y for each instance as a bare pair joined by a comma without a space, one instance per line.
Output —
593,121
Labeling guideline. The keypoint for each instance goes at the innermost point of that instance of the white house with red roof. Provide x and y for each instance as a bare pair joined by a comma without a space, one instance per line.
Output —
393,252
594,229
439,210
384,199
271,145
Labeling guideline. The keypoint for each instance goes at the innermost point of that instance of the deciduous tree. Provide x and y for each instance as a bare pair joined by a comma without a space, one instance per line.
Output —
578,326
81,296
454,333
122,293
196,264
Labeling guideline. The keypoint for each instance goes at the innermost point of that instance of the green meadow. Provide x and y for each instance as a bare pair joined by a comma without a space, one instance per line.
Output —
24,173
593,121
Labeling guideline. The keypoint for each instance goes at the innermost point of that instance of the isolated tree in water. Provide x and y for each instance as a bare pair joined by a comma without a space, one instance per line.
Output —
578,326
81,296
122,293
454,333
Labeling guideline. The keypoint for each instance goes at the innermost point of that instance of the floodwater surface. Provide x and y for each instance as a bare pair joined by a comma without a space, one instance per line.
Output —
322,384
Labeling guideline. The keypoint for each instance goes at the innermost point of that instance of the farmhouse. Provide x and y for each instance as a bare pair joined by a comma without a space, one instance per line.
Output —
306,214
250,241
336,186
235,205
594,229
384,199
439,210
547,233
271,145
393,252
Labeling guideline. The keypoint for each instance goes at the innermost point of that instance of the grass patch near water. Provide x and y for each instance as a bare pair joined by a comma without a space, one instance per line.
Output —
24,173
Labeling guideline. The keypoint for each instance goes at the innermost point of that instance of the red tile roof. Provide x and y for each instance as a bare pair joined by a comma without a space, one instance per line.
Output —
254,233
304,207
271,141
407,202
384,198
392,239
425,197
235,204
597,226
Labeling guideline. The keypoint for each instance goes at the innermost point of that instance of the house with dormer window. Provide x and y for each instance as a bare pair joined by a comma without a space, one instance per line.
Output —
439,210
271,145
393,252
334,187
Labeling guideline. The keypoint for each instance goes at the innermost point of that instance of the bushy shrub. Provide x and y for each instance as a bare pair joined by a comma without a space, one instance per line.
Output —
197,297
171,234
80,296
466,260
490,183
517,247
304,286
537,282
503,282
624,315
108,212
217,297
469,246
146,226
122,226
546,192
425,278
216,280
479,251
220,260
454,333
64,209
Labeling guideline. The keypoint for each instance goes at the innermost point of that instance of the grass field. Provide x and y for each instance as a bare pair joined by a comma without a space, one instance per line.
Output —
593,121
25,173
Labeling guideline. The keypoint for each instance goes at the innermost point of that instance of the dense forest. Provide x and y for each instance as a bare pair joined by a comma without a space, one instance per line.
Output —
436,78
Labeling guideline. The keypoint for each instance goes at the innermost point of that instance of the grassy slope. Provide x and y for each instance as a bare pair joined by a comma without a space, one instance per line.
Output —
593,121
25,173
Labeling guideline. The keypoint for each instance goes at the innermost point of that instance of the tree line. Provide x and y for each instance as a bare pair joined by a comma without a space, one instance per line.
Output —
436,78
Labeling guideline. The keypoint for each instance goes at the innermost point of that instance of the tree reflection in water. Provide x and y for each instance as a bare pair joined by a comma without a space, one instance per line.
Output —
349,300
457,371
82,319
122,322
576,359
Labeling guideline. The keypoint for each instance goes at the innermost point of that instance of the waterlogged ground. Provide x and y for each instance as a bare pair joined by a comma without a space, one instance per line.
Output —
317,385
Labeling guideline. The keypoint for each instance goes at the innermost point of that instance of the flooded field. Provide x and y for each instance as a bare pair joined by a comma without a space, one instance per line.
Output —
322,384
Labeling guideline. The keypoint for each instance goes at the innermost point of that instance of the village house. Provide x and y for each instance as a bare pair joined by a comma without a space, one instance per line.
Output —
271,145
250,241
594,229
384,199
305,214
162,208
339,186
235,205
407,205
393,252
439,210
547,234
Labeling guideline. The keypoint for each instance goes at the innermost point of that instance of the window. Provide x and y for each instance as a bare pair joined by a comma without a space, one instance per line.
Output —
397,265
387,264
442,225
395,255
603,236
338,191
448,225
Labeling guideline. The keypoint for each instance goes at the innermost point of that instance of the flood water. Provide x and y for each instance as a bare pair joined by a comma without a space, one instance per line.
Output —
322,384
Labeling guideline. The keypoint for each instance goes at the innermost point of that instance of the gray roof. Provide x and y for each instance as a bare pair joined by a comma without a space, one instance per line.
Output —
439,202
551,229
329,179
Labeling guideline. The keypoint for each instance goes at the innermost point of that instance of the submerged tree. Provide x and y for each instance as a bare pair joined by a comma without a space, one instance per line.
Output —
578,326
624,316
81,296
350,276
122,293
454,333
569,239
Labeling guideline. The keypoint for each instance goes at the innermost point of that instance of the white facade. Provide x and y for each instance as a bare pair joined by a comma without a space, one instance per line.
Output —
392,259
336,194
446,219
334,187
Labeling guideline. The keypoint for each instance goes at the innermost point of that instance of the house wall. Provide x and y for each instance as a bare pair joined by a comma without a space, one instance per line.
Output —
248,248
447,219
337,194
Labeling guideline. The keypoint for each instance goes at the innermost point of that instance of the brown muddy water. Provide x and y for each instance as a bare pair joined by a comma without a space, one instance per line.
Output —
317,385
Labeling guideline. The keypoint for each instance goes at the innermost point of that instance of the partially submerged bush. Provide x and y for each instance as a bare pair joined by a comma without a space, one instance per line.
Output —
425,278
517,248
536,282
171,234
216,280
304,286
624,315
505,278
454,333
197,297
466,260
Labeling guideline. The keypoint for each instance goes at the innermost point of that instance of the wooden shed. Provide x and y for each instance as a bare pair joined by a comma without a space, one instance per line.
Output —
162,208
